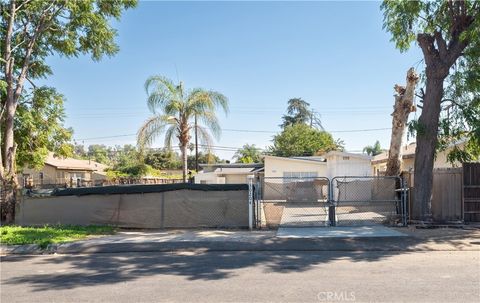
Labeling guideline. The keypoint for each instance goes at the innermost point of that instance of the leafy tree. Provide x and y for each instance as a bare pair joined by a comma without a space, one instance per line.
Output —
174,111
30,32
374,150
79,151
248,154
38,128
302,140
99,153
203,158
448,33
163,159
299,112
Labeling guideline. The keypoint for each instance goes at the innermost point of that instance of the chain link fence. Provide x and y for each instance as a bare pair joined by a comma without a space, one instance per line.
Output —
343,201
295,202
368,201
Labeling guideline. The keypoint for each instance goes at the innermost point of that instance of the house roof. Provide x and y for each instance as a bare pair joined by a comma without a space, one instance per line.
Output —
315,159
408,151
235,170
233,165
74,164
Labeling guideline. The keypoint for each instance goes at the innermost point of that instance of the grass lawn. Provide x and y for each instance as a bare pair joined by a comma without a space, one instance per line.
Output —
49,234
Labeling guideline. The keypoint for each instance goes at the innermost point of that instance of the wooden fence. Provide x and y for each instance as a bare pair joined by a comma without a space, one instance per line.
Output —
447,203
471,190
455,193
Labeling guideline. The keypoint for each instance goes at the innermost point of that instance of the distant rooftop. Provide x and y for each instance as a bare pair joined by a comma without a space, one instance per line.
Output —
71,163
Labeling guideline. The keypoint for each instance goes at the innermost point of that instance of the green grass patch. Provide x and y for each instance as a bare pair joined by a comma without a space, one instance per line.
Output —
49,234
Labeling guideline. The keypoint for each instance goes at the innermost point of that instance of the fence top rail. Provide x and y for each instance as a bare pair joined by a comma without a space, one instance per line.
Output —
301,178
366,177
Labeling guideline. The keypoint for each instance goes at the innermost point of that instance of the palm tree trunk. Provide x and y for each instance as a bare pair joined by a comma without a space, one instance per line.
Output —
183,149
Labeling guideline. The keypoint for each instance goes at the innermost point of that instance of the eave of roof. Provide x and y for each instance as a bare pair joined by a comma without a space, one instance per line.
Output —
297,160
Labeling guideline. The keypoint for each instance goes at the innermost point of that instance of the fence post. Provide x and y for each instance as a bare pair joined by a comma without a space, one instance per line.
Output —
250,202
404,201
331,206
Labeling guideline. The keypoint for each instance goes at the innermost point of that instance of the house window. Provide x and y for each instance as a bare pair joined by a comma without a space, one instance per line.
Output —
300,175
346,158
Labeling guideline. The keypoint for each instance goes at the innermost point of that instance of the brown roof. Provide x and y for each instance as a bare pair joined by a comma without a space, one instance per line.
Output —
77,164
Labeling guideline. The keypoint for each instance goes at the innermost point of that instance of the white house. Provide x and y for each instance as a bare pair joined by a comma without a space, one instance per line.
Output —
334,163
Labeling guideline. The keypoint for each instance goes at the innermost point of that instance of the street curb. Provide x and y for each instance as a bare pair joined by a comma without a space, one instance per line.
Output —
271,244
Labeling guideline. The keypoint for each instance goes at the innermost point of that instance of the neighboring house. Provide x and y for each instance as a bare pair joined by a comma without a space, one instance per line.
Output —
332,164
226,173
67,172
379,162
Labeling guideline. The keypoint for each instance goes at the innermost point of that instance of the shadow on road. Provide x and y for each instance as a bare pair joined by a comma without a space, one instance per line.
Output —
98,269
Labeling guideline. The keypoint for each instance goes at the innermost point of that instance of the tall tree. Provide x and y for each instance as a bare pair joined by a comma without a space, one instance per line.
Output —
174,111
374,150
401,110
448,33
31,31
303,140
299,112
249,153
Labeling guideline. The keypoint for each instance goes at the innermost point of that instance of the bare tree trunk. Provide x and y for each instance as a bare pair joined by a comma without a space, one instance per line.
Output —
183,149
403,107
427,137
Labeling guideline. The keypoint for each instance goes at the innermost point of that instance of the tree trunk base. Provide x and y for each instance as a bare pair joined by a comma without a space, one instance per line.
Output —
8,196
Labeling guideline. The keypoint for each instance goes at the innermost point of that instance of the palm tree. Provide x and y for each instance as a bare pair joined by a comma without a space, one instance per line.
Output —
374,150
248,154
175,112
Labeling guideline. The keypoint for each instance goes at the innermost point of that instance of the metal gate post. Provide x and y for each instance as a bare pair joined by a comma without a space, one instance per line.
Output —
250,203
331,202
258,205
404,202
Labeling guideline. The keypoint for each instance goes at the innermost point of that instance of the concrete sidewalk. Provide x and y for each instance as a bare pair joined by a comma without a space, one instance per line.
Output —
241,240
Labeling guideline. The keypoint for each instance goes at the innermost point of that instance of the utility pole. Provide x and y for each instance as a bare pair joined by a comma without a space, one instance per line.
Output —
196,145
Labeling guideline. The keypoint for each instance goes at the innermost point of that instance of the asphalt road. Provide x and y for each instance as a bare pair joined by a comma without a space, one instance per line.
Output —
328,276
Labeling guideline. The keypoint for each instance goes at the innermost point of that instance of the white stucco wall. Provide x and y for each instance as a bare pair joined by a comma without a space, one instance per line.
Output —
215,178
277,166
348,165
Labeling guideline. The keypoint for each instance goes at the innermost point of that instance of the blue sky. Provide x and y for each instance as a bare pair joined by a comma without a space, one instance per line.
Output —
333,55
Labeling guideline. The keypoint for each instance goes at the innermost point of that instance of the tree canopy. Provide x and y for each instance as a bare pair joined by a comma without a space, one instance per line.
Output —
303,140
299,112
30,31
249,153
373,150
38,128
447,32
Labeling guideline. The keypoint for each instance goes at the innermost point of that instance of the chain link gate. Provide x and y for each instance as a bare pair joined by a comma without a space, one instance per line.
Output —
317,201
293,202
363,201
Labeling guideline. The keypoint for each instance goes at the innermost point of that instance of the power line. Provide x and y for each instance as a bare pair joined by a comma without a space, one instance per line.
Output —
249,131
359,130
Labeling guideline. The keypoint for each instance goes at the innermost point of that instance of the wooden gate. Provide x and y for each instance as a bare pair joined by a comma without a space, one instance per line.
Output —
471,192
447,195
